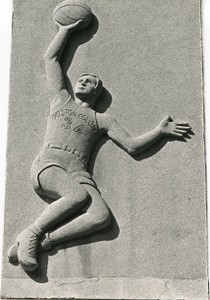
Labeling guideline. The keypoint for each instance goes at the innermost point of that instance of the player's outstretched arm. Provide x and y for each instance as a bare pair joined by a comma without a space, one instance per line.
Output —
134,146
54,74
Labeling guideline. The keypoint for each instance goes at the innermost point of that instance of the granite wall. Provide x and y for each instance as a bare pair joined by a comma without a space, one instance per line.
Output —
148,54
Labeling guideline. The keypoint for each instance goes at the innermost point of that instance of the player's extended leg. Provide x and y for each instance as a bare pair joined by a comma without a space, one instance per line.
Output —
69,196
95,218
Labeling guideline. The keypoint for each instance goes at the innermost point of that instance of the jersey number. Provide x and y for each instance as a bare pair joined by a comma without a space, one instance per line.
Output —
68,123
79,129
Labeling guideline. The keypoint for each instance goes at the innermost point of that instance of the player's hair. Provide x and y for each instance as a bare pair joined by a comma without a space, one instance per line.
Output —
99,84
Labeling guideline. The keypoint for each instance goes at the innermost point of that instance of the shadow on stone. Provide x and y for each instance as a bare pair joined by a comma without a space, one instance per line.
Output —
104,101
152,151
159,145
109,233
101,142
40,275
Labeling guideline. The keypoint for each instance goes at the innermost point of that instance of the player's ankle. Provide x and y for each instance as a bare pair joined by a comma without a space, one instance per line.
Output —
36,230
46,243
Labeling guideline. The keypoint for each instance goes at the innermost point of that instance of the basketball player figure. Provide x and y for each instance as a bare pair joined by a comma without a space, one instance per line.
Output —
59,172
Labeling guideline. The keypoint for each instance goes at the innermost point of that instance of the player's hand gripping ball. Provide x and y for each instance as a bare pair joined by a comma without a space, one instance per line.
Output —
70,11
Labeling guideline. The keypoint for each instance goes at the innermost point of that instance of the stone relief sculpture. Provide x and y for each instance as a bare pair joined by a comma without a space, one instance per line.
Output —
59,172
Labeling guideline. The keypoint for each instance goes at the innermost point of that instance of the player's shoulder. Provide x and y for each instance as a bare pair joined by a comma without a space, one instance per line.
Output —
103,116
60,100
104,120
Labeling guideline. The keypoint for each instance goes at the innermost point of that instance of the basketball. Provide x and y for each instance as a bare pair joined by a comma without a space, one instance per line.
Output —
70,11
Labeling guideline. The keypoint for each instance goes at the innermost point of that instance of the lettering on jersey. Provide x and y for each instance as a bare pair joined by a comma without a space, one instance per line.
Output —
67,125
69,112
79,129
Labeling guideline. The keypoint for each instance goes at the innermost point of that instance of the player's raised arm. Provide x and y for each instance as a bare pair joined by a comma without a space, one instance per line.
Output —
54,73
135,146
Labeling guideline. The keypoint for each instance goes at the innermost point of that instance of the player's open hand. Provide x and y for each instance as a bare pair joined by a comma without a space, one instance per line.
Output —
70,27
169,128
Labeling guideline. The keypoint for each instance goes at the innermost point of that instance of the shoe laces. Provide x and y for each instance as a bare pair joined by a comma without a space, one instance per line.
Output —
32,245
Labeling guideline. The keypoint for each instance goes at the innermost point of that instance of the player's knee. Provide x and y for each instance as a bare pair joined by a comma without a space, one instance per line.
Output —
103,219
81,196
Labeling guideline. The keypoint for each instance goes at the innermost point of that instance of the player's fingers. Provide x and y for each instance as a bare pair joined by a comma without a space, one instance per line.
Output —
182,124
73,26
77,23
180,131
183,127
176,134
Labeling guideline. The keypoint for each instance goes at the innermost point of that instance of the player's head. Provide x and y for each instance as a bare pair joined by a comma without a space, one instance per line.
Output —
88,86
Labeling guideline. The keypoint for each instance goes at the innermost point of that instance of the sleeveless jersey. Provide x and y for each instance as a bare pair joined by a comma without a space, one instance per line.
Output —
74,126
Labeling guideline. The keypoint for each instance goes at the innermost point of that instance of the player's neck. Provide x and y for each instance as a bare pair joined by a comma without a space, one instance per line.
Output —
82,103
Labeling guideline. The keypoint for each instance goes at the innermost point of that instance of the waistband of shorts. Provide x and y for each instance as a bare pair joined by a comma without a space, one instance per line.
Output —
67,148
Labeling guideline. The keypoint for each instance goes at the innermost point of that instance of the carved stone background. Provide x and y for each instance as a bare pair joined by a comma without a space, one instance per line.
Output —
148,54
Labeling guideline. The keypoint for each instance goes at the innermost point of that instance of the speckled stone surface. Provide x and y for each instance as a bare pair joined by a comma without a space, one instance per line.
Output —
148,54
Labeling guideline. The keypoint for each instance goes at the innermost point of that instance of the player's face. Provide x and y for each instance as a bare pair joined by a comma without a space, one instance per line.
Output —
85,86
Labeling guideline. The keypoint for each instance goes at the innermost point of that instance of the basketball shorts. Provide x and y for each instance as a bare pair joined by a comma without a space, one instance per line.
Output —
69,162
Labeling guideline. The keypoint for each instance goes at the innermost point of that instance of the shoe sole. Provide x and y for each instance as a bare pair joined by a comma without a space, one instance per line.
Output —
28,267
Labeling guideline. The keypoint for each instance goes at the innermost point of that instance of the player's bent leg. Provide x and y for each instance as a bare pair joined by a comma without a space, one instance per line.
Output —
55,183
70,195
94,219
